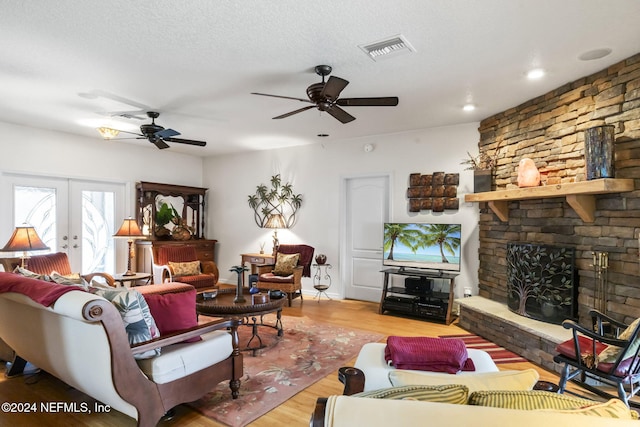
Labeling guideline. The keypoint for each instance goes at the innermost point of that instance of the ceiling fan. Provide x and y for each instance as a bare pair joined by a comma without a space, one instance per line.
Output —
325,97
159,136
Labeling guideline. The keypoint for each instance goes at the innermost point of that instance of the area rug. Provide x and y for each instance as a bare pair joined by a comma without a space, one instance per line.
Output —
497,353
308,352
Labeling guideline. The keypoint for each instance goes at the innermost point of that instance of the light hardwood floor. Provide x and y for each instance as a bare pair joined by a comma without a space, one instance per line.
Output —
295,412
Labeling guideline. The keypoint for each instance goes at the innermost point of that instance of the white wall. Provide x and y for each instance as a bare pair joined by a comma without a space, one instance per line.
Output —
317,172
56,154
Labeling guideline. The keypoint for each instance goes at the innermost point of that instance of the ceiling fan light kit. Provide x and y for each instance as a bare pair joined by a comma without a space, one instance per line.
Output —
108,133
325,97
156,134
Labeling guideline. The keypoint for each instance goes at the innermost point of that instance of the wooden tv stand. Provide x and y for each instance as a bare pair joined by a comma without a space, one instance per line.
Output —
418,301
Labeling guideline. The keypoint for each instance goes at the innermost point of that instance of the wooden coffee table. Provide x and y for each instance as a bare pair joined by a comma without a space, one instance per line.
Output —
223,306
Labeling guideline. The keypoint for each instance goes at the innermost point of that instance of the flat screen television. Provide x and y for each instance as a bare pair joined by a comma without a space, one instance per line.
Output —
422,246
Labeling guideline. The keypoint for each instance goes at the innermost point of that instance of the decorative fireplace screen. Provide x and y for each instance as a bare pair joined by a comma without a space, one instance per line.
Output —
542,282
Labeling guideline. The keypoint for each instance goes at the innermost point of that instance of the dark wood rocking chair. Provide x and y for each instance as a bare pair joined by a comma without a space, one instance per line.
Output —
579,356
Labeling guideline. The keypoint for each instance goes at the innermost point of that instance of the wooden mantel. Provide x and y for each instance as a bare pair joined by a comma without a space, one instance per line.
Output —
579,195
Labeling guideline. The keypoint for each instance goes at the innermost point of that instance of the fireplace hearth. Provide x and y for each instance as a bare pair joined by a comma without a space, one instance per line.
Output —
542,282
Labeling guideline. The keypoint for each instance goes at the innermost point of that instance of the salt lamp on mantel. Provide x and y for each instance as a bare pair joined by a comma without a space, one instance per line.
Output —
528,174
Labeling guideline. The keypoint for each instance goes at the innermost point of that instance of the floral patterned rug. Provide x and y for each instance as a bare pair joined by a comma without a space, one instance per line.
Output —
307,352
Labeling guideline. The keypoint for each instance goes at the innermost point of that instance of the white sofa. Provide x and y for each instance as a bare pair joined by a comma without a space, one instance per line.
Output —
81,340
349,411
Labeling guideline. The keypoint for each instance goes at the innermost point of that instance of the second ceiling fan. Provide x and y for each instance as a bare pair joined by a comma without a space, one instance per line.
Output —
326,97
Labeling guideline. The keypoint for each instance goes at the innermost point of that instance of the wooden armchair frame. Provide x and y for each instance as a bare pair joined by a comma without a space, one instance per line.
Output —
623,374
293,286
153,400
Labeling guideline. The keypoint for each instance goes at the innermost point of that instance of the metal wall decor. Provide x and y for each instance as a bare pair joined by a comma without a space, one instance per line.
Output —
436,192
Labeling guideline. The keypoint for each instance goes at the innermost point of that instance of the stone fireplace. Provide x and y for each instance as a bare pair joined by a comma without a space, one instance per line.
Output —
550,130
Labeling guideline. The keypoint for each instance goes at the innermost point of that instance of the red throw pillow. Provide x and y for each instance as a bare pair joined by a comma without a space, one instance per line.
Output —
174,311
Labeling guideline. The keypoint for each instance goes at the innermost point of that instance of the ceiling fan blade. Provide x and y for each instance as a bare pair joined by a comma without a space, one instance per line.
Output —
165,133
187,141
340,114
333,87
159,143
135,114
389,101
300,110
280,96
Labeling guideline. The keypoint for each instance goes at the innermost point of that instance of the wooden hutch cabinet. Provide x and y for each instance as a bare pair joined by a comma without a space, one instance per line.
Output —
188,203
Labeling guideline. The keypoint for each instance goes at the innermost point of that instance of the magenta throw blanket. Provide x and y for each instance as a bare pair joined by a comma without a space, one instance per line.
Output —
428,354
45,293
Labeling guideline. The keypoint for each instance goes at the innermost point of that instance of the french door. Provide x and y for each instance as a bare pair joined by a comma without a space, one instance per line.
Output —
73,216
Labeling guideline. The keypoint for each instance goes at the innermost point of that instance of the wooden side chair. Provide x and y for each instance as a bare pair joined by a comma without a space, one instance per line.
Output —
291,284
611,358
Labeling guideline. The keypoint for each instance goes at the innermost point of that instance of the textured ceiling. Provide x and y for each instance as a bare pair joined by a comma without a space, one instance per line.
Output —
63,64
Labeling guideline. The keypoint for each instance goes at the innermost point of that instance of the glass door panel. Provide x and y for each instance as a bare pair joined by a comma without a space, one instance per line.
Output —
72,216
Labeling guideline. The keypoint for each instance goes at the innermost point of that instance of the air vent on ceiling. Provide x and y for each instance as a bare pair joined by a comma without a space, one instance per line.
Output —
387,48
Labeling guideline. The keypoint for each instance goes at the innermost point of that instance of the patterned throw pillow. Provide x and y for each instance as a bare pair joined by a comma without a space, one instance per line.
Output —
526,400
454,393
136,316
69,279
611,353
28,273
551,402
185,268
285,263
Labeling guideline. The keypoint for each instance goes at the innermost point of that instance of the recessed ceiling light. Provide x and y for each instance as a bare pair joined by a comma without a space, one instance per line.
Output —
595,54
535,73
469,107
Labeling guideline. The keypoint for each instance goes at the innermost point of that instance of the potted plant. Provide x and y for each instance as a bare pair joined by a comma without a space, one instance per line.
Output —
483,166
164,216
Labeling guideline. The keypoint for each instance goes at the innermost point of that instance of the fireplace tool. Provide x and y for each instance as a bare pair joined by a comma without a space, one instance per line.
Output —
601,273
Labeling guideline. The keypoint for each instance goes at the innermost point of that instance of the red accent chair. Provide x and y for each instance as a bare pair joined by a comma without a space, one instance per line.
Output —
292,284
162,271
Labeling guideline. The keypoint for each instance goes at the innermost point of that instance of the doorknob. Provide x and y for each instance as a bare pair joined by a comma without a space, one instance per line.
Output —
65,246
76,246
64,237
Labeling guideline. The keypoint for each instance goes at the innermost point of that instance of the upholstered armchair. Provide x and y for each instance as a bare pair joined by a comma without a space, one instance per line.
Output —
290,282
179,263
58,262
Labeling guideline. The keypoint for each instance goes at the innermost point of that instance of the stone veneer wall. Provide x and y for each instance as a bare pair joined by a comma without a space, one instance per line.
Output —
549,130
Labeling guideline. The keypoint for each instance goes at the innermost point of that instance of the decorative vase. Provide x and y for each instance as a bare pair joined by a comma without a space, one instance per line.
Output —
482,180
253,289
599,152
321,259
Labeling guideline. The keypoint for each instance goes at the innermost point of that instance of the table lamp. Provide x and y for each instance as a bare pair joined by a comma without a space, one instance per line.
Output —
24,239
275,221
131,230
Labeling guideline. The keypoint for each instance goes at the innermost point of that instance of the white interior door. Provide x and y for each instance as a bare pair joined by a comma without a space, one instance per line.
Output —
72,216
366,210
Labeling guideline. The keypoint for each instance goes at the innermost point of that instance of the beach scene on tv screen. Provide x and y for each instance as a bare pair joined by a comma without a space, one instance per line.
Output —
422,245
